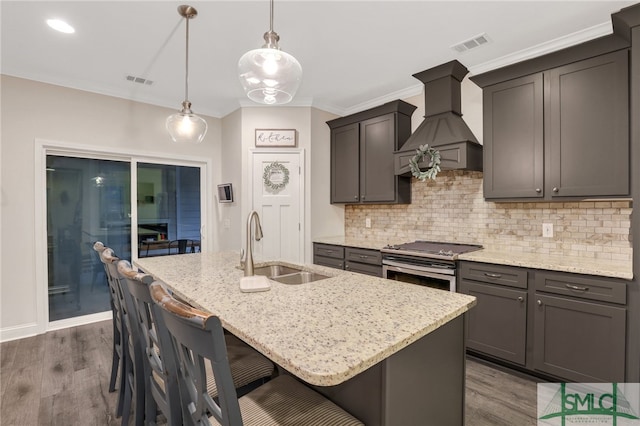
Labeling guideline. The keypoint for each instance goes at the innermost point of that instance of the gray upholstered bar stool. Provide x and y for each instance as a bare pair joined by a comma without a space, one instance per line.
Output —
198,339
249,368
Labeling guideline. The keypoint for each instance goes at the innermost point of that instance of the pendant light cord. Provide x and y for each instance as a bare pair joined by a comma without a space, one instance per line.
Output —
186,75
271,18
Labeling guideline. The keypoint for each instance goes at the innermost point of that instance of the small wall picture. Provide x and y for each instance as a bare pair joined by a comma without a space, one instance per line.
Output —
276,138
225,193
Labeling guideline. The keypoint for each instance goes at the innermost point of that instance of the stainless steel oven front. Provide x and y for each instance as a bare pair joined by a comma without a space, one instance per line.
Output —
440,275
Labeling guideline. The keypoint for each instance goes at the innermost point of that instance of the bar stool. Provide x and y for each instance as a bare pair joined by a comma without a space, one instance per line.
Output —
249,368
198,339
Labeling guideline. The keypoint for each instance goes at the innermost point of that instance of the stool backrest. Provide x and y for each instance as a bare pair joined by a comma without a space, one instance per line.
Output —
159,364
198,338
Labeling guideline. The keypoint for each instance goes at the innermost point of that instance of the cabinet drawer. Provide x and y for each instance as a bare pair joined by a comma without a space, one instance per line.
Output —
328,250
363,268
373,257
331,262
584,287
494,274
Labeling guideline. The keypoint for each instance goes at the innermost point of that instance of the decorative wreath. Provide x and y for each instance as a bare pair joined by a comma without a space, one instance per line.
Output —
434,163
277,169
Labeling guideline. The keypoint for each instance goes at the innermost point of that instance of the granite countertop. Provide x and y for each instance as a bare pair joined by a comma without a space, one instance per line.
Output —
324,332
579,265
355,242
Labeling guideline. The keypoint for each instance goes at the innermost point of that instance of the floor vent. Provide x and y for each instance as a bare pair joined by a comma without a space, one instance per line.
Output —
139,80
471,43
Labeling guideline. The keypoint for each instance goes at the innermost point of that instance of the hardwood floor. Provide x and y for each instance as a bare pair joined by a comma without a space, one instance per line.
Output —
62,378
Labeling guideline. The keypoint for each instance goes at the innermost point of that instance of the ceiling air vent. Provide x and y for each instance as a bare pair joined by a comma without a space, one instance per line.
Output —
139,80
471,43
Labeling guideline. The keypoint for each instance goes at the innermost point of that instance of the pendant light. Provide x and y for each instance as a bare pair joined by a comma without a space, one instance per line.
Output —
269,75
185,126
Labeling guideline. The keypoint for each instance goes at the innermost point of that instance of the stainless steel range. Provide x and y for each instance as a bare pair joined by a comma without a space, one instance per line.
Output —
428,263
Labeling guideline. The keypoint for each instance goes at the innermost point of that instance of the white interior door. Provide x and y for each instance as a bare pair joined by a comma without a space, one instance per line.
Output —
277,197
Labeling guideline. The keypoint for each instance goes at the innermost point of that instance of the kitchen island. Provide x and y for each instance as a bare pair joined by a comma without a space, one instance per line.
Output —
390,353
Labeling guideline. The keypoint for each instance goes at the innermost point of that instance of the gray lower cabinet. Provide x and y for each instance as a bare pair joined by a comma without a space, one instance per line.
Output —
497,325
565,325
328,255
547,134
576,336
364,261
362,161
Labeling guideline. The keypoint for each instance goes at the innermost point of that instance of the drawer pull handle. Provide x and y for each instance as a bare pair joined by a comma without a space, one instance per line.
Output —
362,256
520,299
576,288
329,251
490,275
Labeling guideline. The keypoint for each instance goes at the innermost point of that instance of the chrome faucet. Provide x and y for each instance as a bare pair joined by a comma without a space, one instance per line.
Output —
248,253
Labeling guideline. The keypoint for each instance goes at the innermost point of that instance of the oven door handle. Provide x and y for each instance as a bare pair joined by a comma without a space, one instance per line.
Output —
418,270
411,271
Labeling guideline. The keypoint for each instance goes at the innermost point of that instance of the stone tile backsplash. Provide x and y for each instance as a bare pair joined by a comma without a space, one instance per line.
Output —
453,209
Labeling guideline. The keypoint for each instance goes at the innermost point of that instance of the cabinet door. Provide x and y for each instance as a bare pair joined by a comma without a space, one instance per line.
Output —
514,138
345,164
497,325
578,340
588,112
377,172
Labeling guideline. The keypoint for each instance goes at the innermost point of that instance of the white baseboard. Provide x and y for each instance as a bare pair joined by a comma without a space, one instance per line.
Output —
19,332
28,330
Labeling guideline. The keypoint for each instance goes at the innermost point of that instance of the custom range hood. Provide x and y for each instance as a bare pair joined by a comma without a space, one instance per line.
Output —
443,127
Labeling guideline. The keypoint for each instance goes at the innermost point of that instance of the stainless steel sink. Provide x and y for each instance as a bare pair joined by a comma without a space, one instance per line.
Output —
274,270
288,275
301,277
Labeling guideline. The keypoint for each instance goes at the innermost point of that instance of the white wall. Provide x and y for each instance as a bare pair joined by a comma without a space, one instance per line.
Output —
230,214
326,219
32,110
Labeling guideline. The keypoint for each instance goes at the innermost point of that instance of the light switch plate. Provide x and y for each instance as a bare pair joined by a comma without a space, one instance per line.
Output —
547,230
367,222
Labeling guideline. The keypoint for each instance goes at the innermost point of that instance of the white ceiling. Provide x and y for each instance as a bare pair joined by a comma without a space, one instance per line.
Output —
354,54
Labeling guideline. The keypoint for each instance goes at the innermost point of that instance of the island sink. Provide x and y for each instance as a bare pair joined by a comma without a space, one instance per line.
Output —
288,275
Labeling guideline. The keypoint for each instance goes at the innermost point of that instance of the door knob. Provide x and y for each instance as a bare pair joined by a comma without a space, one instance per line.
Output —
520,299
555,189
538,190
539,302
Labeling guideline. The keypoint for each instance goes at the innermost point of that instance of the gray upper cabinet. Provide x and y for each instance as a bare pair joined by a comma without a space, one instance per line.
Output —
562,133
588,116
345,164
514,138
362,162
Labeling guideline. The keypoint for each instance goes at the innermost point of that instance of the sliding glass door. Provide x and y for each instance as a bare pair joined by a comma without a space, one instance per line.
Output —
168,209
89,200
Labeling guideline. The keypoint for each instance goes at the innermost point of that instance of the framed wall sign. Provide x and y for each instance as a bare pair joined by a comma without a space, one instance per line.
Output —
276,138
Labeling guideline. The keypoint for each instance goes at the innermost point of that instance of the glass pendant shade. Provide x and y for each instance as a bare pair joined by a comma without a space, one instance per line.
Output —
269,75
185,126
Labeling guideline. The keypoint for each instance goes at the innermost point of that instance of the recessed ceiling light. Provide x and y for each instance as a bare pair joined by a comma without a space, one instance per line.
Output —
61,26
